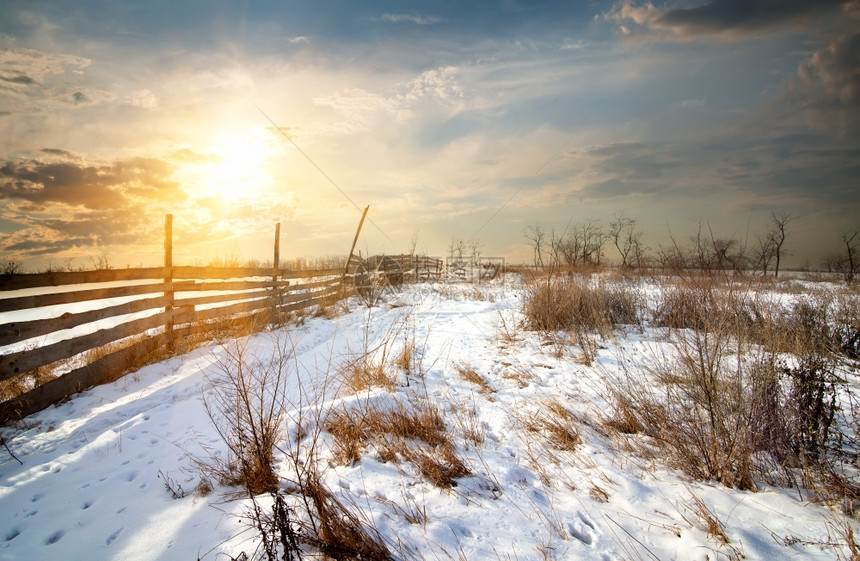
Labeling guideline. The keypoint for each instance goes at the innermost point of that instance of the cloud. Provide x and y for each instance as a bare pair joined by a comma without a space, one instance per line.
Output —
835,70
92,186
298,39
439,82
143,98
28,66
743,16
410,18
46,77
718,17
361,108
58,152
624,169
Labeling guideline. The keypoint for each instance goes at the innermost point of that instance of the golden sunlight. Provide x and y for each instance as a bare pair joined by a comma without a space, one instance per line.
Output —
236,167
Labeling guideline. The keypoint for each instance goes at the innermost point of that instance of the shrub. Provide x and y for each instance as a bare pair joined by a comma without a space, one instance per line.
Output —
246,407
567,302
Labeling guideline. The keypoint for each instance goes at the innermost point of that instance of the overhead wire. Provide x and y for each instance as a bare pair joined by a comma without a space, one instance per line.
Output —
319,169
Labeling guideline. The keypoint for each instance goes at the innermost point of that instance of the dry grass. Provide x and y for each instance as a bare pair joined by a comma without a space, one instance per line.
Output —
520,375
406,359
570,302
554,422
335,530
469,374
415,433
364,373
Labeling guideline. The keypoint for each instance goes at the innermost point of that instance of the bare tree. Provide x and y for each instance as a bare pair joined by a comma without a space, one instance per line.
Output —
780,224
413,243
627,239
456,249
851,255
584,243
555,247
475,251
764,252
536,234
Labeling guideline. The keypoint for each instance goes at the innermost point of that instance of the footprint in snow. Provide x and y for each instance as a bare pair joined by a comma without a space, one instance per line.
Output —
55,537
581,531
112,538
87,504
14,533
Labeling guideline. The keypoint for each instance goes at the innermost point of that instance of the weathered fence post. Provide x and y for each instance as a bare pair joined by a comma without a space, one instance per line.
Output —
354,241
168,279
276,268
277,293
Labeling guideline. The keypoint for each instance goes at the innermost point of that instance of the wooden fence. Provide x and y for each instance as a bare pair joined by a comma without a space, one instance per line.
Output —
155,311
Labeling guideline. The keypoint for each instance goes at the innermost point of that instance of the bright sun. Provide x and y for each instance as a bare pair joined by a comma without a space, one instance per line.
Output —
237,167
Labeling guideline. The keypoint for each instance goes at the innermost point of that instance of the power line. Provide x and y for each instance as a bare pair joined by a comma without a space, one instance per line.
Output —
526,184
319,169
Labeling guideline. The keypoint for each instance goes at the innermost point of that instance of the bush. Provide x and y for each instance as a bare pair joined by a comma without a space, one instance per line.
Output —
746,389
570,302
246,407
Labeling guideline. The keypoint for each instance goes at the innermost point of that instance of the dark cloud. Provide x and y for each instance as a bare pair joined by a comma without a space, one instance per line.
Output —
835,70
632,161
720,16
58,152
630,168
38,247
91,186
18,79
826,88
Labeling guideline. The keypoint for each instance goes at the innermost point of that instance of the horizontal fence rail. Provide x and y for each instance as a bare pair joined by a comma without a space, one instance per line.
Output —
145,317
142,317
71,330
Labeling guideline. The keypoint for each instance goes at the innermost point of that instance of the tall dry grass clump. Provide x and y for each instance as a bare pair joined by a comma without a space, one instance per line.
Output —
556,302
413,432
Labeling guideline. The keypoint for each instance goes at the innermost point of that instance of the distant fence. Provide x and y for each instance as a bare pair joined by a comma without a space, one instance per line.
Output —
154,311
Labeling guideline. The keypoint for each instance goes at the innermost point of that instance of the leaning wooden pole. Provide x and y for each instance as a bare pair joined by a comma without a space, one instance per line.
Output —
354,241
276,267
168,279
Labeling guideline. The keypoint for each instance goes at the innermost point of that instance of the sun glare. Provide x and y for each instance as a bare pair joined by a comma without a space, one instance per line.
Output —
237,167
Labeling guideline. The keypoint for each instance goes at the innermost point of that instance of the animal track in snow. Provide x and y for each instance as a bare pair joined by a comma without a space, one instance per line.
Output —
112,538
55,537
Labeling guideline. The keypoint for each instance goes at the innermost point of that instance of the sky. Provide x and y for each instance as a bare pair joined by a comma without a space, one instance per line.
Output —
451,120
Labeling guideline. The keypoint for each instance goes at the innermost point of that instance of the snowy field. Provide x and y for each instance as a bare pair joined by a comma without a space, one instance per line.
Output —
101,473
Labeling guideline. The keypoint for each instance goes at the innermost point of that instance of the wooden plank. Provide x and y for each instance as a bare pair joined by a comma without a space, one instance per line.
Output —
18,282
20,331
42,300
217,298
30,359
62,278
220,272
249,295
228,285
102,370
311,273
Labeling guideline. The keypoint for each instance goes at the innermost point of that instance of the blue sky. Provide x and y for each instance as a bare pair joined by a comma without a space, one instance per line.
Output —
436,114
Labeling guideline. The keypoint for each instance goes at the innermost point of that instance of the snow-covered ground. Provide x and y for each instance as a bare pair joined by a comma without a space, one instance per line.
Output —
92,483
